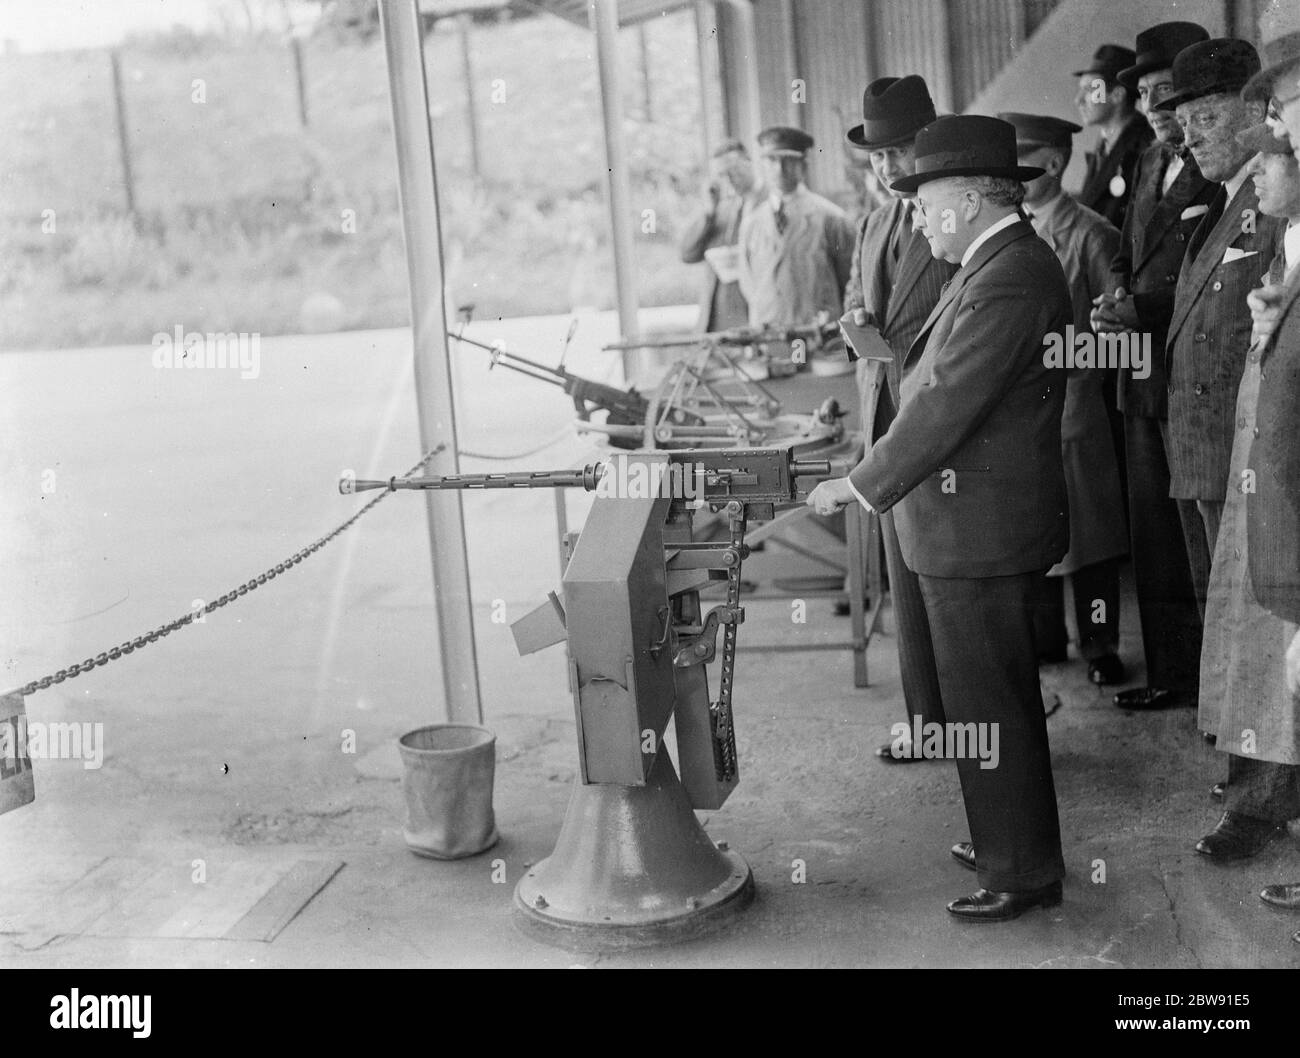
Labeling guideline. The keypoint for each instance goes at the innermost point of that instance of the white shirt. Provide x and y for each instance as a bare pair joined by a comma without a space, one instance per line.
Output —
1291,246
1233,185
987,234
1171,173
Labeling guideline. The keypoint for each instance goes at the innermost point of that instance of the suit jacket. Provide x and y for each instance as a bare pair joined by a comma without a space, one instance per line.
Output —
1273,512
1209,334
1121,160
789,277
722,305
899,311
1085,244
973,461
1152,245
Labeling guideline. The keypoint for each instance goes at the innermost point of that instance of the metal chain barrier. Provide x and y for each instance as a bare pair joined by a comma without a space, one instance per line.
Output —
152,637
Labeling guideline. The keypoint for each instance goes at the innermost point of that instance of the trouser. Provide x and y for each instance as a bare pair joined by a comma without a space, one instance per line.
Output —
983,634
1167,603
1096,611
916,668
1263,789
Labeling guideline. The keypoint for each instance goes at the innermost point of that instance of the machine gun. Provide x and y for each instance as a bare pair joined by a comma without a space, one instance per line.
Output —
632,863
633,621
626,409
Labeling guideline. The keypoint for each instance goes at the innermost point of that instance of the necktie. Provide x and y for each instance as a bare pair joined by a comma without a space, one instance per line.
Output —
781,219
1217,205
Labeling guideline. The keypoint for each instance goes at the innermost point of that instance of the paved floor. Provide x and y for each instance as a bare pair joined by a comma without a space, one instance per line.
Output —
253,754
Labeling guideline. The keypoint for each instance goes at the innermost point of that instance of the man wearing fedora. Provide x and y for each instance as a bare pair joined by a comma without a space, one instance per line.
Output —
796,247
1209,331
1108,104
1244,698
1085,243
895,284
1169,198
972,464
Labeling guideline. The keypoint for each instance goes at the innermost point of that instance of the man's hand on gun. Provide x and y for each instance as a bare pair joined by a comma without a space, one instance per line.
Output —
830,496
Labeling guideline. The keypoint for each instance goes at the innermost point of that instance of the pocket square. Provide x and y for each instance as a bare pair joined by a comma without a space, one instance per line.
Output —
1193,211
1233,254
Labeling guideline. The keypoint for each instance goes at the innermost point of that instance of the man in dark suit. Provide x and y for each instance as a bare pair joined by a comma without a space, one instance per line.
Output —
973,465
1169,198
894,284
1209,331
730,193
1108,104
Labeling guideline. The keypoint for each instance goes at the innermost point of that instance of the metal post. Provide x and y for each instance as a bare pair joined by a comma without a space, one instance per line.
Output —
475,159
747,51
790,38
418,193
712,109
604,22
124,144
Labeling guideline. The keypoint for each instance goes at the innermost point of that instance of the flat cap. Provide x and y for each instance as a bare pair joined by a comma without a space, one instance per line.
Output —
1038,130
781,139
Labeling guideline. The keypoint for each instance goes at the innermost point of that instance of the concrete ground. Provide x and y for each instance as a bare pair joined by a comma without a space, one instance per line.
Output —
250,761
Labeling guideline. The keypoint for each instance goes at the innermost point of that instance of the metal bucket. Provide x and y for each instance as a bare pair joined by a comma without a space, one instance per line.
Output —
447,773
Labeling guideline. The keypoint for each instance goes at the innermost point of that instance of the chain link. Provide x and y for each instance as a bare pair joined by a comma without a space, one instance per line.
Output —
152,637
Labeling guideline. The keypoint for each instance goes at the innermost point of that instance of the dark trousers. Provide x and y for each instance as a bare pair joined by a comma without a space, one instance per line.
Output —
1167,601
983,634
1263,789
916,666
1091,585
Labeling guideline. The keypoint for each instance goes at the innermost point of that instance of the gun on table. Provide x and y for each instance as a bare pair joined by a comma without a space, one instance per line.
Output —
624,407
638,638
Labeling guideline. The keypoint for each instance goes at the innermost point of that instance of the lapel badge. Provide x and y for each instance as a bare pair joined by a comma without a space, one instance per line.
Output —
1117,186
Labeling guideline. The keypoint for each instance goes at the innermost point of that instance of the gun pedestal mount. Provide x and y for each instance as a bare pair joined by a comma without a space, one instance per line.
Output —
632,866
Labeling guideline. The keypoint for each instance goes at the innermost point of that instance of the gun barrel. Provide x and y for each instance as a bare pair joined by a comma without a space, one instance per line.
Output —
586,478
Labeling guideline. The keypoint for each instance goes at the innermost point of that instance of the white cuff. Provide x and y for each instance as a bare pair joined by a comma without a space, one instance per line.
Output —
858,496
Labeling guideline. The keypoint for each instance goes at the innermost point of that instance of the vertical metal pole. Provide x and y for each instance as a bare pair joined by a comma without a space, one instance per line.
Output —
747,51
418,192
643,46
475,159
604,22
712,105
790,53
296,47
124,144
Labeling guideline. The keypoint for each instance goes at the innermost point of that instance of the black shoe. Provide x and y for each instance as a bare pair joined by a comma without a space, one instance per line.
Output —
1152,698
1237,837
910,754
964,853
987,906
1286,897
1218,791
1106,669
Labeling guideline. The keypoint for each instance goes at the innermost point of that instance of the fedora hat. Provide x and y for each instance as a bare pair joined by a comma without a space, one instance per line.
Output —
894,110
1213,66
1279,29
1107,61
1157,47
965,145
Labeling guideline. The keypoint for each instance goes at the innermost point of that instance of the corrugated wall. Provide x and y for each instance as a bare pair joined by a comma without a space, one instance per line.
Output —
911,37
984,37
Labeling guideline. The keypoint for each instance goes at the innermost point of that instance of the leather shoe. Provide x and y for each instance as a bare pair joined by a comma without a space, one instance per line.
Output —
964,853
1106,669
1286,896
985,905
909,754
1146,698
1237,837
1218,791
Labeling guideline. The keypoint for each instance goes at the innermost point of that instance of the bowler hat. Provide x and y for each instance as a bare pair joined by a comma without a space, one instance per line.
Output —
965,145
1036,130
1210,67
1107,61
1157,46
894,110
781,139
1279,28
1261,139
